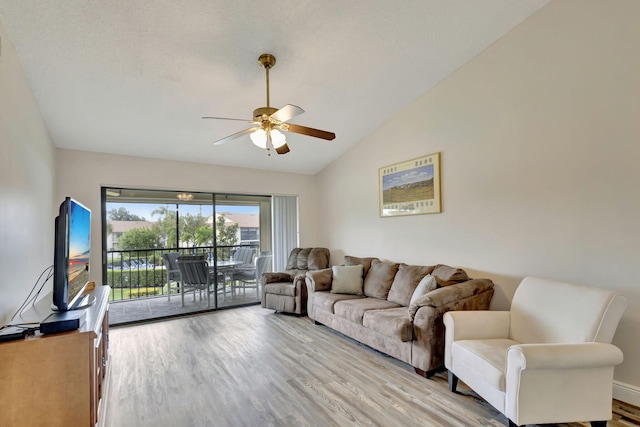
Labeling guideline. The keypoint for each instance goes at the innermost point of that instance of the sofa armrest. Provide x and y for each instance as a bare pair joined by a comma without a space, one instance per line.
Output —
428,311
319,280
276,277
450,294
563,356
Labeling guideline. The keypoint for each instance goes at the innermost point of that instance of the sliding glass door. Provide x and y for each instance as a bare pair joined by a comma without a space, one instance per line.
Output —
141,228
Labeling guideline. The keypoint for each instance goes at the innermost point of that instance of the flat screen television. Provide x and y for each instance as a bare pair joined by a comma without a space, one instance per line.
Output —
71,256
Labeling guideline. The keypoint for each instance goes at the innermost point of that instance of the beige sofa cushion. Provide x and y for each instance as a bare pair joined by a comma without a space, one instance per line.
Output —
326,300
446,275
390,322
379,279
405,282
364,262
347,279
354,309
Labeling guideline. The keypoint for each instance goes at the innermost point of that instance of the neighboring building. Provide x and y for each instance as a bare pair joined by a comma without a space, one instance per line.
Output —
248,226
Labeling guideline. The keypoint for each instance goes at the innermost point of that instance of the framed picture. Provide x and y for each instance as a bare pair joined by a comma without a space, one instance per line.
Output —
411,187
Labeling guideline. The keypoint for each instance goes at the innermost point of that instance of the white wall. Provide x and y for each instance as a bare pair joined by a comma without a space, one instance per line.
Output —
81,174
539,136
26,186
540,140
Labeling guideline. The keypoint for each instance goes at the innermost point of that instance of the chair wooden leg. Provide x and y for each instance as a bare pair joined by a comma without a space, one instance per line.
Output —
598,424
453,381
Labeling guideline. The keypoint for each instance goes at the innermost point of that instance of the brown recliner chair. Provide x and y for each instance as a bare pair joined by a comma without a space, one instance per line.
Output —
287,291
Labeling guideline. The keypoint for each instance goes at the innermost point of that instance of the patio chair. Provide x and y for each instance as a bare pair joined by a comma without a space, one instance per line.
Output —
244,254
250,278
195,277
174,278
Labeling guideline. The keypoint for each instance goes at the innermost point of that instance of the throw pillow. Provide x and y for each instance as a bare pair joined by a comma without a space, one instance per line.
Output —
347,279
379,279
405,282
446,275
427,284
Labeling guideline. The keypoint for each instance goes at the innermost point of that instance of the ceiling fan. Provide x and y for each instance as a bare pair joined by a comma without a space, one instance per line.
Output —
268,121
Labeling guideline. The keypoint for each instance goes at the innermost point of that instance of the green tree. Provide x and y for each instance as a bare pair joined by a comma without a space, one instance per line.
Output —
204,236
189,225
122,214
166,226
140,238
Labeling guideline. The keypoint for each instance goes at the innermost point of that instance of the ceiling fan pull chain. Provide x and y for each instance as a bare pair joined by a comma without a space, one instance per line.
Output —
269,143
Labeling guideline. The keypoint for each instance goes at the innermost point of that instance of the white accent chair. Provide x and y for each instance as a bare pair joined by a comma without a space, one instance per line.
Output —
547,360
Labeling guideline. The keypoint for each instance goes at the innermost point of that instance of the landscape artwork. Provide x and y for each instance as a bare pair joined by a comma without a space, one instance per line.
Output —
411,187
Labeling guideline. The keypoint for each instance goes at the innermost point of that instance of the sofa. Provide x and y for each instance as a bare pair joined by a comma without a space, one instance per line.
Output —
286,291
393,307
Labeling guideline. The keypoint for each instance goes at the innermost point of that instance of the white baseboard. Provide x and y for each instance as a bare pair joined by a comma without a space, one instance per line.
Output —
626,392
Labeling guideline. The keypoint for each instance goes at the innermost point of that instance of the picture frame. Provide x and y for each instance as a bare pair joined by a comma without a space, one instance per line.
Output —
411,187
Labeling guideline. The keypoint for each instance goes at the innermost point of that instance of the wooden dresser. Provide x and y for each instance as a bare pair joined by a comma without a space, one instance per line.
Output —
56,379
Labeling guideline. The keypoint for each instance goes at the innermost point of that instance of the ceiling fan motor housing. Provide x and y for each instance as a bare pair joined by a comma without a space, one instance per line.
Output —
258,113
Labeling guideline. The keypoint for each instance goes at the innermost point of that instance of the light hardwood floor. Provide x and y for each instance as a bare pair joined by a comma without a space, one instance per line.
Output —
251,367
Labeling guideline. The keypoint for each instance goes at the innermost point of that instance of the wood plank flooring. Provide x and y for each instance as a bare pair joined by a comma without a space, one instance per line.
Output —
251,367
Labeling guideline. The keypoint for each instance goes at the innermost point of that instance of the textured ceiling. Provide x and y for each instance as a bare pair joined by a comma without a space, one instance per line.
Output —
134,77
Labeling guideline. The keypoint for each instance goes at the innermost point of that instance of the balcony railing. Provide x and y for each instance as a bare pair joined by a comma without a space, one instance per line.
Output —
140,273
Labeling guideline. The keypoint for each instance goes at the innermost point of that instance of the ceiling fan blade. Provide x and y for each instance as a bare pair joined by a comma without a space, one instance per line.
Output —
316,133
234,136
227,118
286,113
283,149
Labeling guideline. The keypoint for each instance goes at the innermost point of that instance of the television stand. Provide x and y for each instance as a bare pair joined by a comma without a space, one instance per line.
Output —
57,379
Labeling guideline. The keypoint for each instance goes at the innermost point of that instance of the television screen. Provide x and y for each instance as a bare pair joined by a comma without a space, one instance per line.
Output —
72,250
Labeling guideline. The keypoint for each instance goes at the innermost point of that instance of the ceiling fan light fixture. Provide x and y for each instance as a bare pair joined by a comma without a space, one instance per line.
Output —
259,138
277,138
184,196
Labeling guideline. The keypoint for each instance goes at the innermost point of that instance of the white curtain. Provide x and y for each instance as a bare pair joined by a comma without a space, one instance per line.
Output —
285,229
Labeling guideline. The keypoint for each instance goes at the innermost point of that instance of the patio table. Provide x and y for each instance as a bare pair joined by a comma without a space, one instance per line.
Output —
226,268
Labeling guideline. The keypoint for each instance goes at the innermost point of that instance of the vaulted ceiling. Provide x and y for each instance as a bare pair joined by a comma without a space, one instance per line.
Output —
134,77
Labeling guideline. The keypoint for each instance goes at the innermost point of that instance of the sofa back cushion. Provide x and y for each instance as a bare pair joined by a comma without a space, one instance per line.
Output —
405,282
379,279
446,275
364,262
